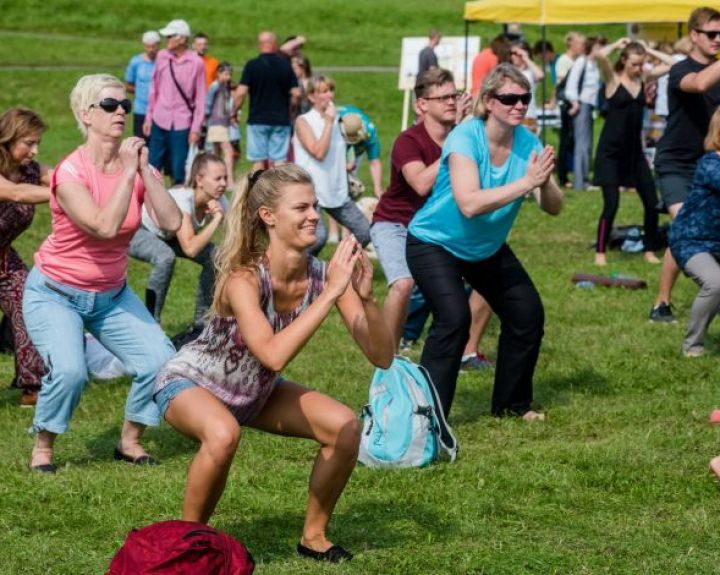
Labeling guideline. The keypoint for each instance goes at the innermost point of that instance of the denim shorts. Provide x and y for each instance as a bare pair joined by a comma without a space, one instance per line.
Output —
389,239
170,391
267,142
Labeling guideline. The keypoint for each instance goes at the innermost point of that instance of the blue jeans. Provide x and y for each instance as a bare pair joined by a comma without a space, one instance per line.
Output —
169,149
56,316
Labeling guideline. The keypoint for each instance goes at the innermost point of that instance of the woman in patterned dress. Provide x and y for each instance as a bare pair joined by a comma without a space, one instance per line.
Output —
23,183
270,298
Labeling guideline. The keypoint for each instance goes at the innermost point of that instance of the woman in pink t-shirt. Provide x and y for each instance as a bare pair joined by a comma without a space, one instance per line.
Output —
79,278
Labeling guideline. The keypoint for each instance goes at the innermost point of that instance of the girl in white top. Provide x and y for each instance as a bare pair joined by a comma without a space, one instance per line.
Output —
321,150
203,206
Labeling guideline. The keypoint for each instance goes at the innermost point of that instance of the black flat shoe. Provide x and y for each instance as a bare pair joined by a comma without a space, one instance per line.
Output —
45,468
139,460
335,554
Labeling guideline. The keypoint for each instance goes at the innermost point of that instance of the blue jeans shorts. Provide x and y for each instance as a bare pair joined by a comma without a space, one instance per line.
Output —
170,391
267,142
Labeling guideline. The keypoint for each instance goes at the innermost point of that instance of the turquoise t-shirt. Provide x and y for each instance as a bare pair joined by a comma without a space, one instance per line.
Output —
441,222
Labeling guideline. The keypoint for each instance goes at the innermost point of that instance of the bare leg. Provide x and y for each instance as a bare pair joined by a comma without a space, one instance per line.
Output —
198,414
333,231
396,306
668,275
670,270
480,313
227,155
295,411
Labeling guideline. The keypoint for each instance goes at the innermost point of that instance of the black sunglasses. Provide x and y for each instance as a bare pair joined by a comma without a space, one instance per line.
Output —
512,99
110,105
711,34
454,97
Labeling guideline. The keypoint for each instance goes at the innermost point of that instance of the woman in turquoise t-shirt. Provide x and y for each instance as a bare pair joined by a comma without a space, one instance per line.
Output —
488,165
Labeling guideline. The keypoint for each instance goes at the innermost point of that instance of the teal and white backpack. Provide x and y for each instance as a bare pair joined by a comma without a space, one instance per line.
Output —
403,423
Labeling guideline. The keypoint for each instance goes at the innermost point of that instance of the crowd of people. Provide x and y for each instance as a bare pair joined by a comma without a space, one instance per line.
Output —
458,178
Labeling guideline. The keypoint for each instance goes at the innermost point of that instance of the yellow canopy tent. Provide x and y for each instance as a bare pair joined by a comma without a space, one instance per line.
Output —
553,12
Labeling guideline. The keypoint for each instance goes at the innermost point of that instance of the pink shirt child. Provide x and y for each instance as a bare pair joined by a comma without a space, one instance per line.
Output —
75,258
166,107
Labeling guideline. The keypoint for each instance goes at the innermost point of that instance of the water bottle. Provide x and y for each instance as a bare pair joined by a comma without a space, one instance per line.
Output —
585,284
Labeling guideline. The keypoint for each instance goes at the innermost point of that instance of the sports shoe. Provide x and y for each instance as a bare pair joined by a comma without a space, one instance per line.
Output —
694,352
478,362
662,313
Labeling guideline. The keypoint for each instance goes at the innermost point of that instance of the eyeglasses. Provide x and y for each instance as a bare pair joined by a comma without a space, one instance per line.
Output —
454,97
711,34
513,99
111,105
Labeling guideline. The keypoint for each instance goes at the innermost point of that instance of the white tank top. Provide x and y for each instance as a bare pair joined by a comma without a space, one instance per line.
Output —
329,176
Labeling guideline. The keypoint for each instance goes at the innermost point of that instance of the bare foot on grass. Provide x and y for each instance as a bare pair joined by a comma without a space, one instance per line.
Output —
537,416
600,260
715,466
651,258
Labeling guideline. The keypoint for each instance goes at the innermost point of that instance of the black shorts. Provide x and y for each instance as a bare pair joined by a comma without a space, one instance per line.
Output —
675,186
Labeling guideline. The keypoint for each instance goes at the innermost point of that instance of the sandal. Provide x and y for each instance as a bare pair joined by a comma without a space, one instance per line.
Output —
144,459
335,554
46,468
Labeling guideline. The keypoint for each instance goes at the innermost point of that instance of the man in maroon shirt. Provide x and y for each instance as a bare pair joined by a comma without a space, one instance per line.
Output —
414,164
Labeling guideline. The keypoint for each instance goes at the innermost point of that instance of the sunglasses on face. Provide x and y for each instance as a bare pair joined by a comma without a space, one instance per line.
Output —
711,34
513,99
454,97
111,105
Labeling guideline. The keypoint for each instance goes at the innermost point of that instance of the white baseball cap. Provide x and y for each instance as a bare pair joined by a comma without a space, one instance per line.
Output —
176,28
151,37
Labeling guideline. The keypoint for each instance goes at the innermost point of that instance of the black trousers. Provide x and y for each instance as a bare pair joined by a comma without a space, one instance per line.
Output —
611,201
506,286
566,146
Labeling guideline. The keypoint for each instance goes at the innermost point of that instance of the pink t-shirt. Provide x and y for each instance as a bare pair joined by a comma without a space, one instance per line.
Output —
75,258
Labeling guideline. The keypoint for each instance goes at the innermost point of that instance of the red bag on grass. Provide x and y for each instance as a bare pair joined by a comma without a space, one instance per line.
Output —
181,548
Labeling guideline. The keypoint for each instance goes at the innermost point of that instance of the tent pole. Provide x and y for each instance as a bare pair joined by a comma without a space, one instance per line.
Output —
542,90
467,42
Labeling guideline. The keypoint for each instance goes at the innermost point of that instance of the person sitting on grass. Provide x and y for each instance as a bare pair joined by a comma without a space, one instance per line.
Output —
694,240
270,298
20,178
80,276
203,205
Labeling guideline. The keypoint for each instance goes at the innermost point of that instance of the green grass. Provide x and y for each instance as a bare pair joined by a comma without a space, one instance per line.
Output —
614,482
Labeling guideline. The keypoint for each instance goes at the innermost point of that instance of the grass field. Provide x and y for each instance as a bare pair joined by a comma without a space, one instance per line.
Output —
615,481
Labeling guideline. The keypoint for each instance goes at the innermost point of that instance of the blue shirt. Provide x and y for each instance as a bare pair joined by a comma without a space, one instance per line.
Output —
441,222
139,73
696,229
371,145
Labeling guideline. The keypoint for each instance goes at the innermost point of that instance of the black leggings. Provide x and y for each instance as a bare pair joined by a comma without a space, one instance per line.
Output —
506,286
611,201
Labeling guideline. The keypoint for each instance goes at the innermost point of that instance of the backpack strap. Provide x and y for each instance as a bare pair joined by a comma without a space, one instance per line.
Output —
445,432
187,101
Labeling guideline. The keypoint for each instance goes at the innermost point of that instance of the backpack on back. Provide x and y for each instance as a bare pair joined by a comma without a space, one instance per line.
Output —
403,422
181,548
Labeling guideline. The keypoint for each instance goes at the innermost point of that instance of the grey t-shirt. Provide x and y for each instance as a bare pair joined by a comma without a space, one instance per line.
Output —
184,199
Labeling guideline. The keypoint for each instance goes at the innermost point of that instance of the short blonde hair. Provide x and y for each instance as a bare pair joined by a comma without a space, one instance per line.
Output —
87,92
315,81
492,84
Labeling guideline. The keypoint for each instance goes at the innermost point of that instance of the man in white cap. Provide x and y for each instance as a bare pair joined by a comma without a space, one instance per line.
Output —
176,107
138,76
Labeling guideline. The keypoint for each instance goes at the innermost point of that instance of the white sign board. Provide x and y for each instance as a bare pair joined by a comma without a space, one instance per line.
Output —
450,53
